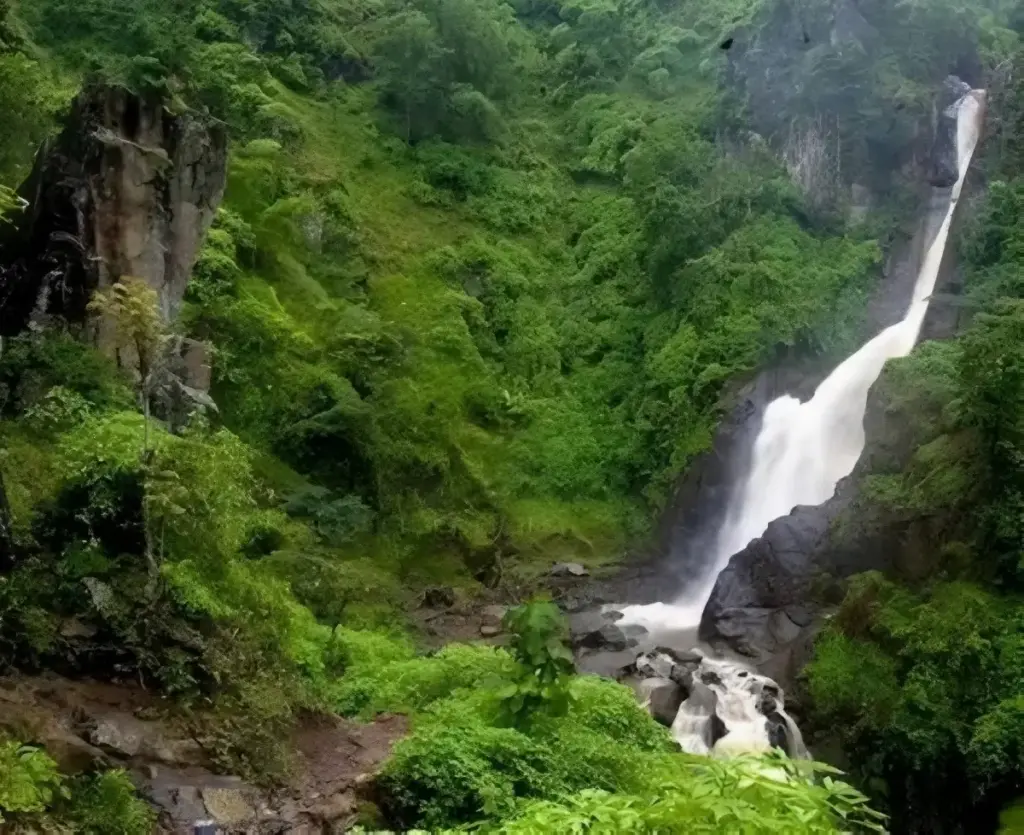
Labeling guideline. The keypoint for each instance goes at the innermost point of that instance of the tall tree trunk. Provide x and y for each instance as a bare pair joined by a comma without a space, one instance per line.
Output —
6,536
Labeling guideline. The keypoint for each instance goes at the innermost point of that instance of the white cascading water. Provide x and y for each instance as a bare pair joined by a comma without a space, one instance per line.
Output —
802,451
735,695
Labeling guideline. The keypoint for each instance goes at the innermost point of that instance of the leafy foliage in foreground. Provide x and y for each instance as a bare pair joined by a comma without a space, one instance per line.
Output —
601,764
34,793
758,795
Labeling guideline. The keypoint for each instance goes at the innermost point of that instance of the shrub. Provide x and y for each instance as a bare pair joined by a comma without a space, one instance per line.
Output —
106,804
538,642
29,780
753,795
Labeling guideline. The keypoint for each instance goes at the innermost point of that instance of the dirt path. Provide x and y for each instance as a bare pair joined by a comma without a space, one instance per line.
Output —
86,725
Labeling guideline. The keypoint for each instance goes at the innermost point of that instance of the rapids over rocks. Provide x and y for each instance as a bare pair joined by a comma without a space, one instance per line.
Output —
802,451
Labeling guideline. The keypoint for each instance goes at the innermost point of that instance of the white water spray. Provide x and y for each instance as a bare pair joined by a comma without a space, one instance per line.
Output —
804,449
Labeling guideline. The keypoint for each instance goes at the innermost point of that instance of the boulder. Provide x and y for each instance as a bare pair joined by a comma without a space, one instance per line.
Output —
634,633
228,806
655,665
610,664
493,616
489,630
609,637
569,569
128,737
662,698
121,735
582,624
596,629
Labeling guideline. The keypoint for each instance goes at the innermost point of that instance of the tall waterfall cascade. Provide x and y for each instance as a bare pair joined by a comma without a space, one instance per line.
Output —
801,453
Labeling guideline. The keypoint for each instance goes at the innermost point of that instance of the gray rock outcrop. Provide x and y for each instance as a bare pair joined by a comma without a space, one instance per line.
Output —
127,189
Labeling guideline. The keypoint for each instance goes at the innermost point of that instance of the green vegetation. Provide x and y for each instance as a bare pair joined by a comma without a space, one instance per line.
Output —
593,761
34,795
483,275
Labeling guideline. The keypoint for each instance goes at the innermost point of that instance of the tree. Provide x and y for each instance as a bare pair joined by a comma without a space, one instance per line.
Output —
539,645
130,309
443,62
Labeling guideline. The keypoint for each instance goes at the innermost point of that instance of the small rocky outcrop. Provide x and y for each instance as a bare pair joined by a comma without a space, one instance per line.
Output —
664,680
603,647
698,697
129,188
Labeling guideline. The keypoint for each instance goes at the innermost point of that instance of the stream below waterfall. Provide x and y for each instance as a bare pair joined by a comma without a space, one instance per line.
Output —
802,451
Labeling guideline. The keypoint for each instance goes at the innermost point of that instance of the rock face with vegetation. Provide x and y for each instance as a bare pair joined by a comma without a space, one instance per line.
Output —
126,189
330,327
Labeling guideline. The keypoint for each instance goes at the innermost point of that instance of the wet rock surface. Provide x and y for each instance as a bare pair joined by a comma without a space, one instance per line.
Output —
602,646
707,700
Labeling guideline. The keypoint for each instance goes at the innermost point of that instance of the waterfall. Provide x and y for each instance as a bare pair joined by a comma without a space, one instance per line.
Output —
800,454
804,449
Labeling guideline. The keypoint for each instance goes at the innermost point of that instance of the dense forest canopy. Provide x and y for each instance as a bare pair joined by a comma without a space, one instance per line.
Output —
484,278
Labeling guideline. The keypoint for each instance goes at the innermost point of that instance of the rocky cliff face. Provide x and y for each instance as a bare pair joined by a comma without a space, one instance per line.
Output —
127,189
807,74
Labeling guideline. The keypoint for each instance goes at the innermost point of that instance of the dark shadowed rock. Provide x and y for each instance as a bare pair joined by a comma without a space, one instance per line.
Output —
785,569
778,733
718,729
609,637
438,597
595,629
583,624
